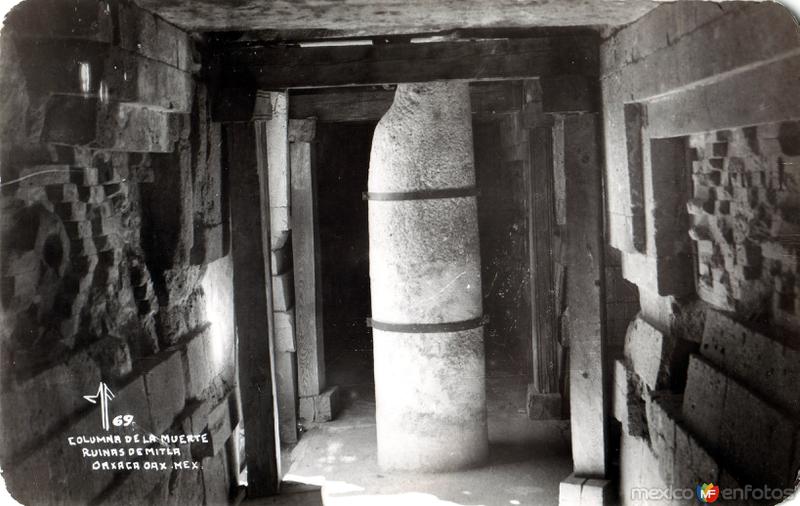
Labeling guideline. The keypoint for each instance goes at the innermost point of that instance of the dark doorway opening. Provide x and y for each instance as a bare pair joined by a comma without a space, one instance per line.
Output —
343,157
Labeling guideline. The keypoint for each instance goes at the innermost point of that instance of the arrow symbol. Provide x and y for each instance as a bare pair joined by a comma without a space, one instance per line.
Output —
104,395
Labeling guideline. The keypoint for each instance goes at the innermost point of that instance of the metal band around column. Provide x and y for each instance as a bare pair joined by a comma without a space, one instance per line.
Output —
427,328
443,193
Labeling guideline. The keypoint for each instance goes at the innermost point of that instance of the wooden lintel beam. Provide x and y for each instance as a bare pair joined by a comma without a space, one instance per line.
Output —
279,67
561,94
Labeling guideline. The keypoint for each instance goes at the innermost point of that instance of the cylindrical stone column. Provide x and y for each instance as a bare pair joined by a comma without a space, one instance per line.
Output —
425,280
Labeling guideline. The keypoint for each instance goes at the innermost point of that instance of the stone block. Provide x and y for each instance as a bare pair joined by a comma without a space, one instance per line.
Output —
285,331
84,20
569,490
44,401
137,487
48,474
62,192
78,229
596,492
209,244
662,411
755,436
543,406
20,262
198,365
756,360
704,399
286,380
115,189
186,487
18,292
106,242
219,425
283,291
146,34
76,120
131,396
72,211
648,351
83,247
327,404
281,258
692,464
215,479
320,408
113,356
620,392
143,81
194,420
105,226
91,194
165,389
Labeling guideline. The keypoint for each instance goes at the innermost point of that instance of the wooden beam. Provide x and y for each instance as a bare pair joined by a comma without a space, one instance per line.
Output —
252,296
306,254
586,296
338,105
279,67
488,98
545,342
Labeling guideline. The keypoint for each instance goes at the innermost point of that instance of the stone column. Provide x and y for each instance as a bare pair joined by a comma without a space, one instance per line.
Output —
426,284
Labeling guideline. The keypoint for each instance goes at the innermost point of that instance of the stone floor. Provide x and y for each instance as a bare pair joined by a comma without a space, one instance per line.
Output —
527,461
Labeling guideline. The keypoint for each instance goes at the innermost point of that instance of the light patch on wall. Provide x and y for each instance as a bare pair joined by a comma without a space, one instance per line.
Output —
217,285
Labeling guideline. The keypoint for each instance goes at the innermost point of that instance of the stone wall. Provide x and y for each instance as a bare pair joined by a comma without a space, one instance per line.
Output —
114,253
701,208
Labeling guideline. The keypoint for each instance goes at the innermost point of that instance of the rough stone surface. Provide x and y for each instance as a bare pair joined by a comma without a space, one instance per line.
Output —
569,490
286,381
425,268
704,399
425,251
88,290
649,352
764,364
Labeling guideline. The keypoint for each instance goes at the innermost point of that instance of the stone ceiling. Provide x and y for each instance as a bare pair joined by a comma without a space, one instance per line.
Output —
390,17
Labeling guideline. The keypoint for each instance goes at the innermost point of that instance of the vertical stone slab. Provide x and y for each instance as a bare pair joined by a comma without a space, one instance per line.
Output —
425,283
253,306
585,295
307,275
277,129
286,377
